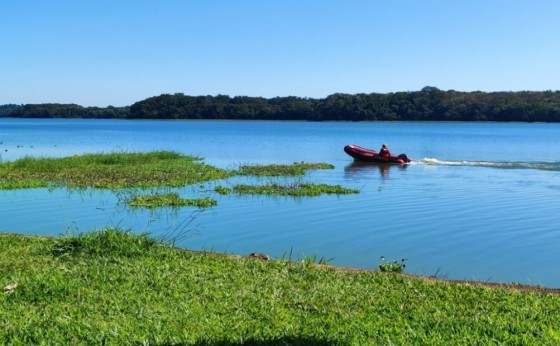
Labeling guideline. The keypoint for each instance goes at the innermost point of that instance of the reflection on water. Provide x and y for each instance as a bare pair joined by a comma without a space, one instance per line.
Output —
364,169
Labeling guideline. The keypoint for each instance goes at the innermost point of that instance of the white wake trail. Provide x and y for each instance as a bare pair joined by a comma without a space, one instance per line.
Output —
548,166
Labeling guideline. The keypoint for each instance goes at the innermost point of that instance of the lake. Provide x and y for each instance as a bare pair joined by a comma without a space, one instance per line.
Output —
479,202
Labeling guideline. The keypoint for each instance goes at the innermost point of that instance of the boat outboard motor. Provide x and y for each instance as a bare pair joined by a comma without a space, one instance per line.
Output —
404,158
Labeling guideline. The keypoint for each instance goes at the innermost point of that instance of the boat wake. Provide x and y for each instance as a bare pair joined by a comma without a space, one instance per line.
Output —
545,166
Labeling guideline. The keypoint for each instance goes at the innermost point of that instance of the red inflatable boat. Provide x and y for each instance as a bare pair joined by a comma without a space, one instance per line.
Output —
368,155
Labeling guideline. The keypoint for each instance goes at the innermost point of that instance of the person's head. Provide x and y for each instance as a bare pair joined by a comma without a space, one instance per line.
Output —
384,146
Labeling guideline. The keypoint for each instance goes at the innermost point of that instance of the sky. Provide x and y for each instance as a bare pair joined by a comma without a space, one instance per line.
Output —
117,52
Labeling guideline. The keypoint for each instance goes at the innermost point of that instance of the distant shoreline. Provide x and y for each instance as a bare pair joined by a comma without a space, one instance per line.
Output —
428,104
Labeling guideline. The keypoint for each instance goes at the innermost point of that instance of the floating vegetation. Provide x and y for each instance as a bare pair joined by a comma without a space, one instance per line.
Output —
222,190
169,200
277,170
109,171
294,190
158,169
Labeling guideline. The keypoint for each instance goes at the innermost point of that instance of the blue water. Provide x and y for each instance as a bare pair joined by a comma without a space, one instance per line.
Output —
479,202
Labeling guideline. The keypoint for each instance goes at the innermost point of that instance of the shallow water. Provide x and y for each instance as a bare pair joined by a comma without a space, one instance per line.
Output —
480,200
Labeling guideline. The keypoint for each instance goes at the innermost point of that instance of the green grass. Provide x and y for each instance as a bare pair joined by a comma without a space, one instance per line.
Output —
112,287
170,199
108,171
108,242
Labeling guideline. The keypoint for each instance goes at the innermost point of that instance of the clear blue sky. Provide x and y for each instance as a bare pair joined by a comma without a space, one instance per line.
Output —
117,52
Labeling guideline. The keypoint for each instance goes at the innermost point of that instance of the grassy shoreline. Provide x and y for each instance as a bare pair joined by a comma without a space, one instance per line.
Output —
114,287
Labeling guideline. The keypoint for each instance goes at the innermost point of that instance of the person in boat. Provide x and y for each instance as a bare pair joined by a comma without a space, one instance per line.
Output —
384,152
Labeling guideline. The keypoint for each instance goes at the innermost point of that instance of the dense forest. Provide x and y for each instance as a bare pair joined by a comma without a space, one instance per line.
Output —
59,110
428,104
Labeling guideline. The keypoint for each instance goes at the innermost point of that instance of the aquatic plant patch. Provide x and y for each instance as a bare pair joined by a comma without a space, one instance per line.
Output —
169,200
222,190
294,190
277,170
109,171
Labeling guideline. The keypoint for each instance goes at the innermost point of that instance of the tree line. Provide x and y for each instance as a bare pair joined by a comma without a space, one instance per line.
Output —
428,104
61,110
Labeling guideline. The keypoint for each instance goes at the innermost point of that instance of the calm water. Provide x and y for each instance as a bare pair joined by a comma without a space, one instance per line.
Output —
480,201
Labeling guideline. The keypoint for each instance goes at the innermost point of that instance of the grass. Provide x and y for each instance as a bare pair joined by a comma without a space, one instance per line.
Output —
108,171
114,287
108,242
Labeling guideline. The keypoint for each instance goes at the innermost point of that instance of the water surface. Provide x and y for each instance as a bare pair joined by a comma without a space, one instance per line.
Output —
479,202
